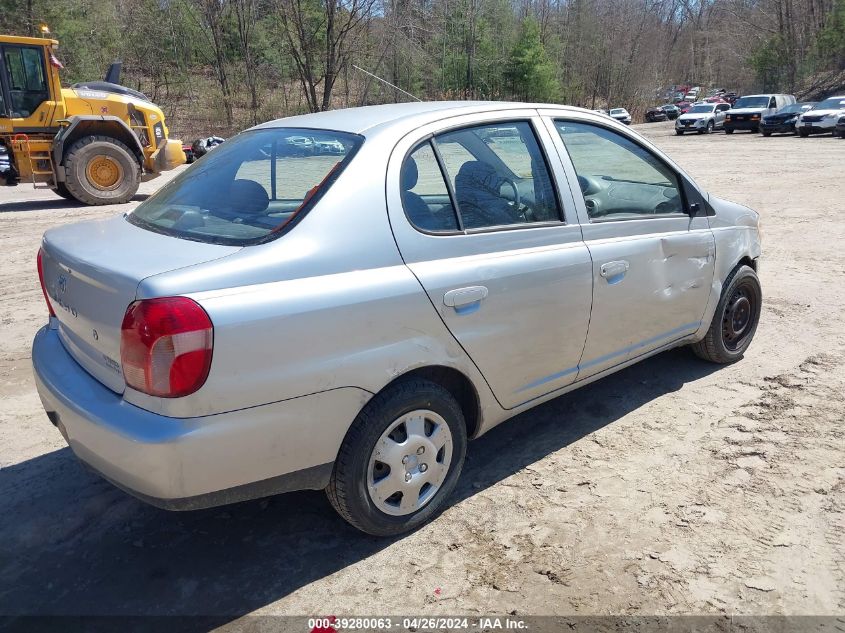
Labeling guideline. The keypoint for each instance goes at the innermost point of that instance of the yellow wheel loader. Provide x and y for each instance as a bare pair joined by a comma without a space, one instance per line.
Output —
93,142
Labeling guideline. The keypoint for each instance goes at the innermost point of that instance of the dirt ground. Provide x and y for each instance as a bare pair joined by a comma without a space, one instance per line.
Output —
673,487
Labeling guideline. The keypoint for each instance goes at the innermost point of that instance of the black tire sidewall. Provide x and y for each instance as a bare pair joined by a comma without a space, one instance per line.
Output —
424,396
743,275
76,179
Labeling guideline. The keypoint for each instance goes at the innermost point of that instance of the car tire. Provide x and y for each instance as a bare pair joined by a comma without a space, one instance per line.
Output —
803,134
735,320
679,132
710,127
727,131
765,133
391,421
101,170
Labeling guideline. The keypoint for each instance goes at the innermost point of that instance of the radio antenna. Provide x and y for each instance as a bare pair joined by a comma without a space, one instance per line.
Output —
384,81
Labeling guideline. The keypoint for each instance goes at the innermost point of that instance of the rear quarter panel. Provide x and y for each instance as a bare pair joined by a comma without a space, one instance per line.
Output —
329,305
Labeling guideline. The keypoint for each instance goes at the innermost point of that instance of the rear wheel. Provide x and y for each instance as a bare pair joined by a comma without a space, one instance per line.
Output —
400,460
803,133
101,170
735,320
728,131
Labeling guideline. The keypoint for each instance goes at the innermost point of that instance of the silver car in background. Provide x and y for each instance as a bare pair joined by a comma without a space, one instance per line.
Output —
702,118
276,320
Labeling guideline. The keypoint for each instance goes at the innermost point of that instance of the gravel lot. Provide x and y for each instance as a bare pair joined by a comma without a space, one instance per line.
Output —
672,487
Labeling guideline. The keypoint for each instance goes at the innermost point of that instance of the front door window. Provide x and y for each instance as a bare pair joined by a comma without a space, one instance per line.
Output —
27,82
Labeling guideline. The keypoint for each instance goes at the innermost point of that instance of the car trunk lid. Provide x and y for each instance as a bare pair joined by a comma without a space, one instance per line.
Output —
91,273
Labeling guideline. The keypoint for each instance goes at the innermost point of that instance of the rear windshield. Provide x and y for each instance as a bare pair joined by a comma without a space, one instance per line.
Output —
250,188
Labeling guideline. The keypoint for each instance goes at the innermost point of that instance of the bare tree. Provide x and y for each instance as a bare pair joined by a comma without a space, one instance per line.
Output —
321,37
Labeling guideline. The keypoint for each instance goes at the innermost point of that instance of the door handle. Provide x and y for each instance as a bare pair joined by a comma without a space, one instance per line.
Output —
460,297
614,269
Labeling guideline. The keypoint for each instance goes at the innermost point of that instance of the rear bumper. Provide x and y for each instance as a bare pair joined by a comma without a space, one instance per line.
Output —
187,463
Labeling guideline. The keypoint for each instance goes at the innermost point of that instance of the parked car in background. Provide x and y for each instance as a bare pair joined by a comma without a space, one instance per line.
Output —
189,153
748,111
839,130
202,146
672,111
332,147
255,327
653,115
823,118
783,121
621,115
702,118
5,163
684,106
730,97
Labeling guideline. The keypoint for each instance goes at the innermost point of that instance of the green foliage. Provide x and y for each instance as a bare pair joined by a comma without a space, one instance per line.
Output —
769,61
529,71
829,49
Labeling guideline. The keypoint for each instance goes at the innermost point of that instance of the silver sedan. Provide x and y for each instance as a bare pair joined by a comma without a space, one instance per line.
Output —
276,320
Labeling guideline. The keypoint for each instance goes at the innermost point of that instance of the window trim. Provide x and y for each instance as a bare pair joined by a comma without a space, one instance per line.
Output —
431,138
654,216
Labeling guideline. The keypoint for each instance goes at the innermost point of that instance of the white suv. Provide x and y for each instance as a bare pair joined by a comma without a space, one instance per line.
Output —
821,119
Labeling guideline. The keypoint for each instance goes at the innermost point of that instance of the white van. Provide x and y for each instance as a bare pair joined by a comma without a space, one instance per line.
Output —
748,111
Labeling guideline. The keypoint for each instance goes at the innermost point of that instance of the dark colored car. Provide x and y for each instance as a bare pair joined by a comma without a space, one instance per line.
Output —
653,115
839,130
189,153
202,146
730,97
672,111
5,164
783,121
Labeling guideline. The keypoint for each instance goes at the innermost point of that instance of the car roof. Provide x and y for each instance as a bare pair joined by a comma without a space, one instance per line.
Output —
367,120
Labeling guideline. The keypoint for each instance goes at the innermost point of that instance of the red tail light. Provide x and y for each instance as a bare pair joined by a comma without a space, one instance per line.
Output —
43,287
165,346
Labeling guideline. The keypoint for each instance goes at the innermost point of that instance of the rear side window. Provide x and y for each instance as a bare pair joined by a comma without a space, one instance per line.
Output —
250,188
479,177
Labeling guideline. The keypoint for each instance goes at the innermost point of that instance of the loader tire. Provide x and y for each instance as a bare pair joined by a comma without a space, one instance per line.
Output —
101,170
61,190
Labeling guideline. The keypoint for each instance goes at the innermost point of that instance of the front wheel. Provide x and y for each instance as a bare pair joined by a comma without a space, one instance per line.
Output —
101,170
400,460
728,131
803,133
62,190
679,132
735,320
710,127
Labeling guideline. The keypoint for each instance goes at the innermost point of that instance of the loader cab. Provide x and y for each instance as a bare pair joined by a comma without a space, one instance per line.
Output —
28,86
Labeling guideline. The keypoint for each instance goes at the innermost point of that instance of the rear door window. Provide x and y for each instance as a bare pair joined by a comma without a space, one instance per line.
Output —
251,187
498,175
